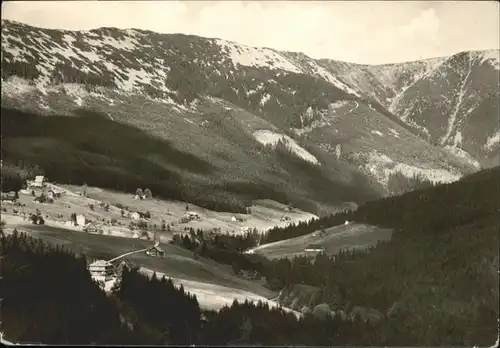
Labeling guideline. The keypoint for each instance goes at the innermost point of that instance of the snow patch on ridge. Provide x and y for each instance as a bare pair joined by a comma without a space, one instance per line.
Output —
380,166
267,137
256,57
492,141
460,153
318,70
491,56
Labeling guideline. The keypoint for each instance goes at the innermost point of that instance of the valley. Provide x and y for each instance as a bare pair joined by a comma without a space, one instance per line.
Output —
174,189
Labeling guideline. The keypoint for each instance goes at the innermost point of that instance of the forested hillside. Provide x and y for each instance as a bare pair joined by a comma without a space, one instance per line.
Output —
438,275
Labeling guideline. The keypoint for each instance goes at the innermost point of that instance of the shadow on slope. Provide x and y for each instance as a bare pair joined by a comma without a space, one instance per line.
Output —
94,149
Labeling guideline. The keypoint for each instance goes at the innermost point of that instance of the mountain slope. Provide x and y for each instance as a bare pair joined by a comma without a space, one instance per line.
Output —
214,100
449,101
438,274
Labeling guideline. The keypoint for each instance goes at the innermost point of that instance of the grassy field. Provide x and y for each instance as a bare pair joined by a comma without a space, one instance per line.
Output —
352,236
265,213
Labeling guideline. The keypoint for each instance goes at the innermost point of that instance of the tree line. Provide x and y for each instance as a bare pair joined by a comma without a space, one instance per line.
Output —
49,297
442,254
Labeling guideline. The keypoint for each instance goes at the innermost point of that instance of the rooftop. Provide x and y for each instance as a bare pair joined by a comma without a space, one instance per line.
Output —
101,263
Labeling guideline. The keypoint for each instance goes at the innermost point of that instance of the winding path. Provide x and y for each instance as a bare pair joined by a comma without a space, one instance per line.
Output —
133,252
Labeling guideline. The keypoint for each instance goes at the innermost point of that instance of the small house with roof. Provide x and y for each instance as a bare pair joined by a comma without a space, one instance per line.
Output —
90,228
155,251
189,216
10,197
124,264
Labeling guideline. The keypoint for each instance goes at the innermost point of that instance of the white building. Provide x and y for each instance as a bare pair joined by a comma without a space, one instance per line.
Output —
189,216
81,220
101,270
38,182
314,248
135,216
193,215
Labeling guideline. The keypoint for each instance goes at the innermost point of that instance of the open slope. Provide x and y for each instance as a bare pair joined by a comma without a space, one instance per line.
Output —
333,240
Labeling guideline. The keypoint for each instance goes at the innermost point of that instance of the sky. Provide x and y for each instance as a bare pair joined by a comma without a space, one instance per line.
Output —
366,32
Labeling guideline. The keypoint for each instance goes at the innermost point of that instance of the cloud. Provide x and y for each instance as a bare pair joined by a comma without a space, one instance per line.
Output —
426,25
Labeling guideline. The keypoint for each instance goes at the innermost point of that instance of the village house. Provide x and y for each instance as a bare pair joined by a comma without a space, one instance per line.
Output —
53,194
39,182
189,216
10,197
124,264
90,228
193,215
135,216
155,251
245,229
285,218
101,270
314,248
81,220
233,218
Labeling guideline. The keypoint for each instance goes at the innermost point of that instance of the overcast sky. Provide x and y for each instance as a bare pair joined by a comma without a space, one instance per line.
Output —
369,32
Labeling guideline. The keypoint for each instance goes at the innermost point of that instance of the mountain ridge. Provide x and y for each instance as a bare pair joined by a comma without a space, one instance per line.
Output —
184,84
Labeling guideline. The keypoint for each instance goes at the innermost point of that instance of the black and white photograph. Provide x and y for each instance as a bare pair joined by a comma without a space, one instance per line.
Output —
250,173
